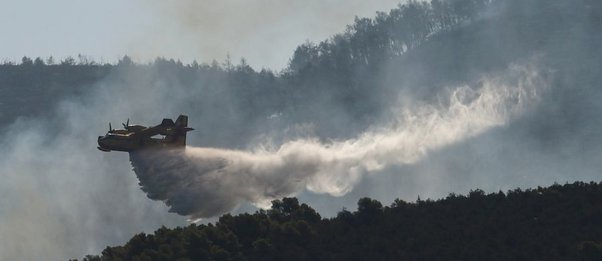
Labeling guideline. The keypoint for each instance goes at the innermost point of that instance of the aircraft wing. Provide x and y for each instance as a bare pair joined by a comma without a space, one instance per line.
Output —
150,131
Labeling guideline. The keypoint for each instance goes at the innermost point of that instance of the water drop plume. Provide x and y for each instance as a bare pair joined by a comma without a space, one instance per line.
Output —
205,182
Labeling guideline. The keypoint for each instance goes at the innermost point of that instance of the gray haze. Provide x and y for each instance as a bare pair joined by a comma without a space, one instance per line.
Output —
62,198
265,32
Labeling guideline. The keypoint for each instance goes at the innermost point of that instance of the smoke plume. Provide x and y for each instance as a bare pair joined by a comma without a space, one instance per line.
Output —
205,182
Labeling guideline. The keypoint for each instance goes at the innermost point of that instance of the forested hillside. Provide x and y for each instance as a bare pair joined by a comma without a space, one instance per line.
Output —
346,83
339,80
561,222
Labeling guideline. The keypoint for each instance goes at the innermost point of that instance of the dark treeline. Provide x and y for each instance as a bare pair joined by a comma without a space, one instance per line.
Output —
561,222
34,86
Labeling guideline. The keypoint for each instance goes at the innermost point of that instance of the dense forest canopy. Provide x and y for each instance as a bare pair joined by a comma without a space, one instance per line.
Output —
561,222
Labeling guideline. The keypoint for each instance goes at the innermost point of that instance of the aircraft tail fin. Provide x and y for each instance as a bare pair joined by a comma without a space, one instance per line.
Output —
182,127
182,121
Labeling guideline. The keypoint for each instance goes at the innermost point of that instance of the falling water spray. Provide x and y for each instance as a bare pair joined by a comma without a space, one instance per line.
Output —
205,182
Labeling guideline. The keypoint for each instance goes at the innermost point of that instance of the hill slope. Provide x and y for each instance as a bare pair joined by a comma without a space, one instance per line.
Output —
561,222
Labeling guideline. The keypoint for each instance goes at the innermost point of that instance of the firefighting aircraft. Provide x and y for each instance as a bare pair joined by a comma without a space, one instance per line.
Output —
135,137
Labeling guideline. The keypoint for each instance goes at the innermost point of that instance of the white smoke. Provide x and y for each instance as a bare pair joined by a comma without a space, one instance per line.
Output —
205,182
62,198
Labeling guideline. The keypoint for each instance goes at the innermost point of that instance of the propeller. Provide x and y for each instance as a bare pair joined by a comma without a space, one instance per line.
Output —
126,124
110,128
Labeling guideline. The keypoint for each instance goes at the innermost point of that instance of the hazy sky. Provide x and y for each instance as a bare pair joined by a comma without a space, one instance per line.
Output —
265,32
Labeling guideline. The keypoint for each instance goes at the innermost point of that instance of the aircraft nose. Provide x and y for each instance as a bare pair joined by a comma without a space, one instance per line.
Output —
101,140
